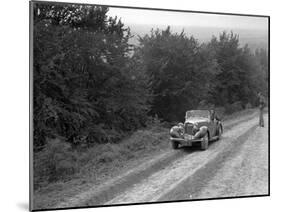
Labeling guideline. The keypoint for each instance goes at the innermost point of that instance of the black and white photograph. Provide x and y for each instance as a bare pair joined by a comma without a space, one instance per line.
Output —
132,105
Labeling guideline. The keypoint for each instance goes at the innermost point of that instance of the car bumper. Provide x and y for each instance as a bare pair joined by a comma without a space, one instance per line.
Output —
186,141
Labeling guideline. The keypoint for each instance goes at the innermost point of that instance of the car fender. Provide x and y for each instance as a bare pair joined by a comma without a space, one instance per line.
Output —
202,132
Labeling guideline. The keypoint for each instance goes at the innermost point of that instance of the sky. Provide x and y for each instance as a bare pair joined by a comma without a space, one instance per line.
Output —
187,19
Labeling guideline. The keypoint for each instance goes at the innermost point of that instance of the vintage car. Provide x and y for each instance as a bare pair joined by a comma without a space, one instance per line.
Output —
200,126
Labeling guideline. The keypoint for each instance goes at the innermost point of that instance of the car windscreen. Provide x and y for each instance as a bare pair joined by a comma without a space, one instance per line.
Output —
197,113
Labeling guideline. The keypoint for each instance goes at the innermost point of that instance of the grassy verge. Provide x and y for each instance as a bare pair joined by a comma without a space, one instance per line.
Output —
101,163
93,166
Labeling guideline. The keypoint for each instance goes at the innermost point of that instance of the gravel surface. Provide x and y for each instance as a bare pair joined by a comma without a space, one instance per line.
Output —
246,173
175,181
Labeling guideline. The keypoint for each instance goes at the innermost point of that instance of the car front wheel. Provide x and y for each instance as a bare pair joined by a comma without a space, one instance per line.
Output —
174,144
219,132
205,142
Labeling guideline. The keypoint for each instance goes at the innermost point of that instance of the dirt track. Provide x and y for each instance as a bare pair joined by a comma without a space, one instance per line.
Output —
234,166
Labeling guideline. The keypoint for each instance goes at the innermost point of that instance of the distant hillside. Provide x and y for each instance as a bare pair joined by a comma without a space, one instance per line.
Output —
254,38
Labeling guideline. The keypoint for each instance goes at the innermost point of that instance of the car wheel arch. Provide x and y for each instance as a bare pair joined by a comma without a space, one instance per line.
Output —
208,133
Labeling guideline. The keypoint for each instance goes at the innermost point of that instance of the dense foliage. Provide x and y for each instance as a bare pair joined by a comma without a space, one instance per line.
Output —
241,75
84,88
180,69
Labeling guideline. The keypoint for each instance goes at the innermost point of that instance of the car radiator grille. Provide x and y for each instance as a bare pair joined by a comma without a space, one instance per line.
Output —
188,128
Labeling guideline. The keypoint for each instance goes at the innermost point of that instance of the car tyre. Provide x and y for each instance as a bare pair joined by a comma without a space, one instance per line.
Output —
205,142
219,133
174,144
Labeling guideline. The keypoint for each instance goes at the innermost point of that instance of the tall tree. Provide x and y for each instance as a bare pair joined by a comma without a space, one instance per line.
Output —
227,52
82,86
241,74
180,71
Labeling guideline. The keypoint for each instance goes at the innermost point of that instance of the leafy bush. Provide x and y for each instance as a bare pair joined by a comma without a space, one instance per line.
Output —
248,105
154,123
205,105
60,162
231,108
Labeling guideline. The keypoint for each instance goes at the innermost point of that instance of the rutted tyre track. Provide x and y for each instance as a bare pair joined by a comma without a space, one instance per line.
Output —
161,184
191,186
111,189
244,173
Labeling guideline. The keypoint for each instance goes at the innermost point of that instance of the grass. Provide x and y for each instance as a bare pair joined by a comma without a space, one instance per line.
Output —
101,162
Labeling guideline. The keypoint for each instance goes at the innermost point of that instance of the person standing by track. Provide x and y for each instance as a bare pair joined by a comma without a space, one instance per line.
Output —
261,108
